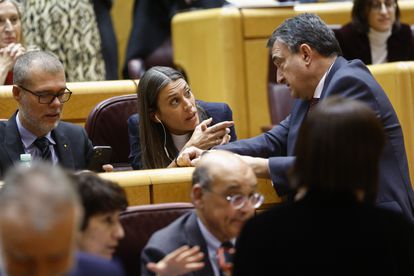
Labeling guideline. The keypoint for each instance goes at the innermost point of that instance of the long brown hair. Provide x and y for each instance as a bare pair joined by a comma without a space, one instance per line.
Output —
151,133
338,149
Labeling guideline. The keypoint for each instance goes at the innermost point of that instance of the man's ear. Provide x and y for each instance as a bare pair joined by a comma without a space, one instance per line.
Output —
197,195
306,53
16,93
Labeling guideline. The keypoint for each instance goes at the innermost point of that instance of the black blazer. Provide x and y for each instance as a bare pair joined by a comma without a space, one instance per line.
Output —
218,111
326,235
73,147
355,44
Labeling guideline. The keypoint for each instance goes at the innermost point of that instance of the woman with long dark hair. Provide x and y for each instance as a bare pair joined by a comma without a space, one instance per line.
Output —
170,119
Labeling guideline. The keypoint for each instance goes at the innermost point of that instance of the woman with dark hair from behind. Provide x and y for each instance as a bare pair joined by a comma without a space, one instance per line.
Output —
170,120
332,227
375,34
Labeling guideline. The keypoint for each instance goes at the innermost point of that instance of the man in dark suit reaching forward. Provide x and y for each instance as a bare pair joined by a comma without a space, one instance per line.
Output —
40,91
307,56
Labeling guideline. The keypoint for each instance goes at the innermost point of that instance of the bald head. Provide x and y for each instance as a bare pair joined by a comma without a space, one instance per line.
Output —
219,178
39,218
217,164
40,193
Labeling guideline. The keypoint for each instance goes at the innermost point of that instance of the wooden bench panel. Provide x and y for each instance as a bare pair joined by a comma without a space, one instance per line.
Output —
86,95
169,185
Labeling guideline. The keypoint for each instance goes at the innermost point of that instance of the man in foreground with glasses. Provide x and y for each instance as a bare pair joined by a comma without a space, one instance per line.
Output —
224,195
40,91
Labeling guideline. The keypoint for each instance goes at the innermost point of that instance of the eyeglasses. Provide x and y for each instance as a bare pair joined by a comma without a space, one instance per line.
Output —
239,201
47,98
377,5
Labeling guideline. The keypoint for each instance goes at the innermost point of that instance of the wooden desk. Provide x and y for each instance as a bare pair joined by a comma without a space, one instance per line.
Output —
224,53
169,185
86,95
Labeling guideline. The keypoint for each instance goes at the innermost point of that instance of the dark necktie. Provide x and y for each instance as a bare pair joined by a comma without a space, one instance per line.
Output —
312,104
43,145
225,254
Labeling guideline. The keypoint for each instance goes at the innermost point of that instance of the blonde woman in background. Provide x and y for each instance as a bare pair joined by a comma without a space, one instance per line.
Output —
11,45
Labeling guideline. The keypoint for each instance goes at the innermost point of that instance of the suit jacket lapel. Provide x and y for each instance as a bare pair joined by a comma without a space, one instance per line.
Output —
337,64
195,237
300,109
63,149
298,114
12,140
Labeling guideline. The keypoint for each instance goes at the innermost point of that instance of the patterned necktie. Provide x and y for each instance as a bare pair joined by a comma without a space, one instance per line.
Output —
43,145
225,254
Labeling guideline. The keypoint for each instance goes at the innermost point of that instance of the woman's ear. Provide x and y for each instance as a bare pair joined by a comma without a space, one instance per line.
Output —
154,117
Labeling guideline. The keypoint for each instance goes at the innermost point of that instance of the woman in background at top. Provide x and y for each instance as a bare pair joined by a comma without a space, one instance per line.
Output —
376,34
170,119
10,39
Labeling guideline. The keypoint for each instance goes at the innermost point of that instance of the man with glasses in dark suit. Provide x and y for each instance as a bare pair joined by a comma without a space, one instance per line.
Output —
224,196
35,128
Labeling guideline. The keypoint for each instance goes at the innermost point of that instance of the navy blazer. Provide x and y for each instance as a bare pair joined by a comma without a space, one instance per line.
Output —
73,147
355,45
350,79
90,265
182,231
218,111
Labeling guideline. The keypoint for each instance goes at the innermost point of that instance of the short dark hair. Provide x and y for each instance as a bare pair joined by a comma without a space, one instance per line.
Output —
98,195
360,11
339,147
306,28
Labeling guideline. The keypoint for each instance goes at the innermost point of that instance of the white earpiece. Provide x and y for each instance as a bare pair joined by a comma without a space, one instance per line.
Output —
159,121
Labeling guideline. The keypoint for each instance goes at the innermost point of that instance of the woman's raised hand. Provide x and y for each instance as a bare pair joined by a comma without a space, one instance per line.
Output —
206,137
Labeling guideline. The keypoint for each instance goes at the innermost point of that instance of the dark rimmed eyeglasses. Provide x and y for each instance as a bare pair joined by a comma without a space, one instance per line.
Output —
239,201
48,98
388,4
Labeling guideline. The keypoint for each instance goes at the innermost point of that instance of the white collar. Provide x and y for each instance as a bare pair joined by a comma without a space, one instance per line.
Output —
180,140
319,87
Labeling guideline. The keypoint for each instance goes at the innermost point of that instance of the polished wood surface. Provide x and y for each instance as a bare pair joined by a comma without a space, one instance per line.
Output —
86,95
169,185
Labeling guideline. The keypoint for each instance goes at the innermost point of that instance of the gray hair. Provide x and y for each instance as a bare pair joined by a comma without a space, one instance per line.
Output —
39,194
306,28
45,61
202,177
